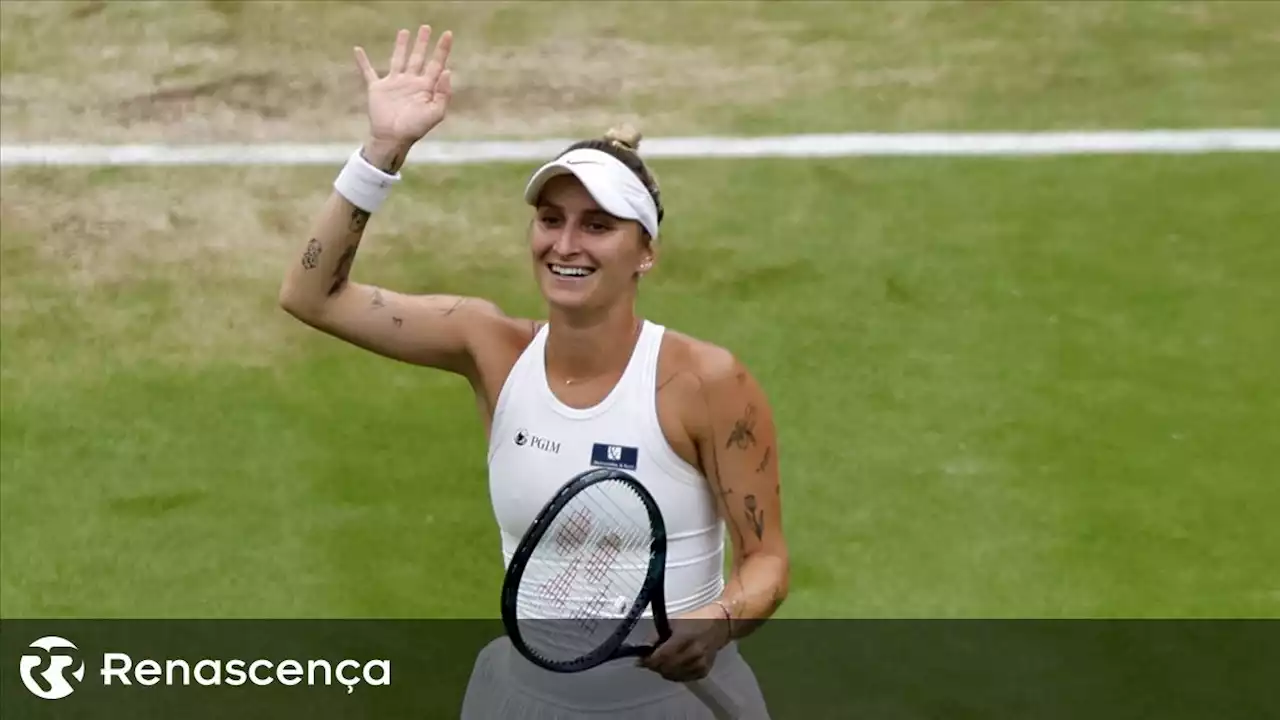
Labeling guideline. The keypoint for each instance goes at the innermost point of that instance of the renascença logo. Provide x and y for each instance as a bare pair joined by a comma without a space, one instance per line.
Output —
121,669
55,685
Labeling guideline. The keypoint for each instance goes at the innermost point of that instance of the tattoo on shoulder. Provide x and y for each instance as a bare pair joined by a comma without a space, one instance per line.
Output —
359,218
311,256
755,515
743,433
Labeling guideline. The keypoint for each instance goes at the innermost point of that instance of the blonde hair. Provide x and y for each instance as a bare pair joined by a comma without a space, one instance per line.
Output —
626,137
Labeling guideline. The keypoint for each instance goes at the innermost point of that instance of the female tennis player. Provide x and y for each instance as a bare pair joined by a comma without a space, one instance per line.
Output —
593,385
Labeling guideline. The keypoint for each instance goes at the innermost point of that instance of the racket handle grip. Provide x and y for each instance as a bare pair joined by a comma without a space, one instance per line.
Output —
715,698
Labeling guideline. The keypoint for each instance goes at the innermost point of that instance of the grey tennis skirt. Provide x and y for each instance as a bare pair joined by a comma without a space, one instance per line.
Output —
505,685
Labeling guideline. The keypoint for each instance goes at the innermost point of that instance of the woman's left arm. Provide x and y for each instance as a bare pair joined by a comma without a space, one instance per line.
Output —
738,444
732,425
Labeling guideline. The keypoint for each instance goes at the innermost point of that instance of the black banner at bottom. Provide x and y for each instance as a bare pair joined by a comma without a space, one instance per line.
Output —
890,670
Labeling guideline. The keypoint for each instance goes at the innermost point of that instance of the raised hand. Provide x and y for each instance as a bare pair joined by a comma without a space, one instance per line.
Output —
412,97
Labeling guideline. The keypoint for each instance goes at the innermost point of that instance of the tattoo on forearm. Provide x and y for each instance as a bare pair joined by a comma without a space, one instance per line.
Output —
764,463
343,271
755,516
377,300
359,218
311,256
397,321
743,433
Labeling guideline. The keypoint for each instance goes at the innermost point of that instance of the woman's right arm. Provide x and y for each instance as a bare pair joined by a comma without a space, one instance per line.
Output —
433,330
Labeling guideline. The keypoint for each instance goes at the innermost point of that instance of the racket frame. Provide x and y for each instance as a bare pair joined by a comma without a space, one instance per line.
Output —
652,592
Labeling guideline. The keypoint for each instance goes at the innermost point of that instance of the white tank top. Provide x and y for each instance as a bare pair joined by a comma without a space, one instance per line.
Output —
538,443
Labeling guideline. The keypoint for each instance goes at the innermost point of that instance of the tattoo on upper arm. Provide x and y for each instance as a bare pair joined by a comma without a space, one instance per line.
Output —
343,271
359,218
723,493
743,433
764,462
311,256
755,516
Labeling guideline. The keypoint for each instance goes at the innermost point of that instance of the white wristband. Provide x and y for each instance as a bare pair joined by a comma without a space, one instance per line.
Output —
364,185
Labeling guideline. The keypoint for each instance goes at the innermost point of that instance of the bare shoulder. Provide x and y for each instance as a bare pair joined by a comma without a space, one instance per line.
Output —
700,362
496,348
703,380
730,425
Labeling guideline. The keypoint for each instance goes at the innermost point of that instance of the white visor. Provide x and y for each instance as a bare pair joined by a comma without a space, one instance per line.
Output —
611,183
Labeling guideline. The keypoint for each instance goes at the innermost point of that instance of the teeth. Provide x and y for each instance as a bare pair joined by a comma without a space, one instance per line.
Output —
571,271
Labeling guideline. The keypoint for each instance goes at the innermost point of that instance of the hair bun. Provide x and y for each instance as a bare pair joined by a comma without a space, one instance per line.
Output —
625,136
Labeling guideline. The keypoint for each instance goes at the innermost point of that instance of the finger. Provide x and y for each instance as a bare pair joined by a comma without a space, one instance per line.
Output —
687,667
655,659
444,88
366,70
400,53
667,655
697,668
439,57
419,56
689,670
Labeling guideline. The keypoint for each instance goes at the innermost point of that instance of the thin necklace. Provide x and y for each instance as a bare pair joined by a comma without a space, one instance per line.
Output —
570,381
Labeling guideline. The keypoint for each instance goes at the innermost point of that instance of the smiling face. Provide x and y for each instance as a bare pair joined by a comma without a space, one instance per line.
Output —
584,258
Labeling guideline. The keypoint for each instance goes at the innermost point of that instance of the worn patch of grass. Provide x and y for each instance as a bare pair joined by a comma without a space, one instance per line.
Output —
185,264
200,72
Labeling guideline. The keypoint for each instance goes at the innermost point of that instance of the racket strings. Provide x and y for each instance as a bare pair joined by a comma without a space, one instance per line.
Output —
587,547
586,573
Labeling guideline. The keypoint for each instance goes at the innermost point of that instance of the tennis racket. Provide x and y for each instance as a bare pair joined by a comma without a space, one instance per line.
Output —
594,558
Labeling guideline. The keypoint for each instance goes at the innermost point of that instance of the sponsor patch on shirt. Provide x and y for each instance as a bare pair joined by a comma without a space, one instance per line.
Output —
614,456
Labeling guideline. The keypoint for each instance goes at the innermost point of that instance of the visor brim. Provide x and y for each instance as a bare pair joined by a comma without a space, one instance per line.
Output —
595,177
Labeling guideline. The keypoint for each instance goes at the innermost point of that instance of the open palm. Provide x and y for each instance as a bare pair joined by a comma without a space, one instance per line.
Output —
413,96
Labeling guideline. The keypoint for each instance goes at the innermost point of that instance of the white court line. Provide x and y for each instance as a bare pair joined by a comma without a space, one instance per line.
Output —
795,146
